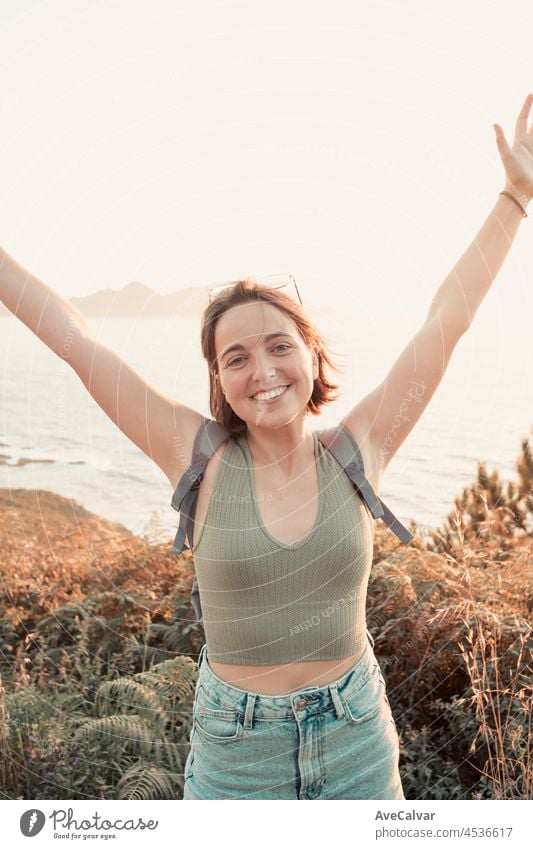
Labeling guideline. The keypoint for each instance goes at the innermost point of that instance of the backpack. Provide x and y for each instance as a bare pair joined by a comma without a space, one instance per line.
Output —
338,440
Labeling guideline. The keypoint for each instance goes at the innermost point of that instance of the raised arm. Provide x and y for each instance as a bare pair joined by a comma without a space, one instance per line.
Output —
160,426
53,319
387,415
463,290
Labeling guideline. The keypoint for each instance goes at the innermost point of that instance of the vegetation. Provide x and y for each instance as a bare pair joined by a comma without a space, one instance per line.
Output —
99,646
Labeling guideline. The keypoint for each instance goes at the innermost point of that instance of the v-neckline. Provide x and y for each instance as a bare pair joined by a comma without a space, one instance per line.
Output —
318,520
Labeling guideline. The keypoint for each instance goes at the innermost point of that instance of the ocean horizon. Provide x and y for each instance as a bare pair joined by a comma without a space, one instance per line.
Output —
55,437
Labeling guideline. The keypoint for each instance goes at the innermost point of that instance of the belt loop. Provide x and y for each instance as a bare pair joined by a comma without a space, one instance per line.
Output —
249,712
339,707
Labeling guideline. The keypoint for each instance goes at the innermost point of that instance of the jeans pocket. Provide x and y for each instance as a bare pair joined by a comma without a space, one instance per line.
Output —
365,702
221,726
215,722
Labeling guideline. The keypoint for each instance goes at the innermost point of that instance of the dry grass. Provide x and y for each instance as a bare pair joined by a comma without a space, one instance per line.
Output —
83,601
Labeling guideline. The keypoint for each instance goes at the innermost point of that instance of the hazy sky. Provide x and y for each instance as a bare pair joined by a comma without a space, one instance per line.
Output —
178,143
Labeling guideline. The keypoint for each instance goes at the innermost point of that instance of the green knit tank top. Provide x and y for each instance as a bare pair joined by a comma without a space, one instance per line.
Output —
268,602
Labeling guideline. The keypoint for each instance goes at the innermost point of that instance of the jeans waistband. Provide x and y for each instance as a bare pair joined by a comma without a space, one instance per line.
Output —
317,698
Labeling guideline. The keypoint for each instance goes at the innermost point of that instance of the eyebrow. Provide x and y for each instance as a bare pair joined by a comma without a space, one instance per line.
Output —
239,347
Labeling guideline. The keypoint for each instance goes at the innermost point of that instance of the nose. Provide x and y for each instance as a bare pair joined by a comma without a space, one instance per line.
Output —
263,369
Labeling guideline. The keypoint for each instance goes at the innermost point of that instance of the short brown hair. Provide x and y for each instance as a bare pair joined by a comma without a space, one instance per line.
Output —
244,291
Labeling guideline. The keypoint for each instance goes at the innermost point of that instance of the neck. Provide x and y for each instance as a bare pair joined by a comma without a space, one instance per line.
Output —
285,450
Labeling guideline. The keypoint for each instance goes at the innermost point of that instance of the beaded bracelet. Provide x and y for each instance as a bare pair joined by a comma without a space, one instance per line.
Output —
509,195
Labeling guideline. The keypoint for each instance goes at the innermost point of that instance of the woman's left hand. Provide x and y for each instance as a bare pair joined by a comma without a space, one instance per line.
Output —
518,159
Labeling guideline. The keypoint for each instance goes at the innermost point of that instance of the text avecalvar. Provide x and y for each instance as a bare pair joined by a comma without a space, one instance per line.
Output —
404,815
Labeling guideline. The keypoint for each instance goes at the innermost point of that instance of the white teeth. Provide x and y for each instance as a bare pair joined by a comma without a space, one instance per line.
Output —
265,396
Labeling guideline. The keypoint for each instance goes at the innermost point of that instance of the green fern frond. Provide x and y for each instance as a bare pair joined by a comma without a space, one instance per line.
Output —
179,672
169,753
127,732
67,611
149,655
155,733
170,636
127,693
142,781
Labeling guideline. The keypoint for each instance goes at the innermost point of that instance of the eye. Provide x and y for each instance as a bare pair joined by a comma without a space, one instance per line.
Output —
280,345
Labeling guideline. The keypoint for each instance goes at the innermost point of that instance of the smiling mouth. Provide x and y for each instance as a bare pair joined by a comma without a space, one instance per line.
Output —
272,398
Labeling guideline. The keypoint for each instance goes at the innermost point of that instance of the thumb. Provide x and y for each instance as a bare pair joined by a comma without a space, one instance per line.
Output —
501,141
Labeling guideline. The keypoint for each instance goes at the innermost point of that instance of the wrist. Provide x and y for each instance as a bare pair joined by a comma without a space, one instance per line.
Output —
519,194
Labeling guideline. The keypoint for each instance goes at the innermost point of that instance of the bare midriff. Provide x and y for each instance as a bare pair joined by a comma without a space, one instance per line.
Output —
282,678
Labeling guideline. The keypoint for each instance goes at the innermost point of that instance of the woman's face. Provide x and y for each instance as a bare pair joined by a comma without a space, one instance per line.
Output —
262,363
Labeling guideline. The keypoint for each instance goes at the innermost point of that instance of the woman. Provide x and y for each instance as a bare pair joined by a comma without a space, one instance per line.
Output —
296,716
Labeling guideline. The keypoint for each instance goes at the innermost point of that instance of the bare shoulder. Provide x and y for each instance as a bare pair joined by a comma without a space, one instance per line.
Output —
359,429
182,443
186,423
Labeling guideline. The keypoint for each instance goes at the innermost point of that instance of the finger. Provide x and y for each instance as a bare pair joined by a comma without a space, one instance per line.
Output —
521,121
501,141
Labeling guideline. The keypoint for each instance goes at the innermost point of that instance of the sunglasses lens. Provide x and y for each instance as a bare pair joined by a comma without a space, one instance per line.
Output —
215,291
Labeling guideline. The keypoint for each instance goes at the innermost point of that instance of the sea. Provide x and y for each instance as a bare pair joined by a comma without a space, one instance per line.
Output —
54,436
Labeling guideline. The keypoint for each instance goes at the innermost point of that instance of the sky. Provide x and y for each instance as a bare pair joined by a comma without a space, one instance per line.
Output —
186,143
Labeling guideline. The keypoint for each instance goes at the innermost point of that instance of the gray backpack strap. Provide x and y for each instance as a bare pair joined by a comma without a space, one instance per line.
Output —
210,435
344,448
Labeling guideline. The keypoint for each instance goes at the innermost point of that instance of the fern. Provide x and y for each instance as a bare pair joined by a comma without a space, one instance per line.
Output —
155,732
173,680
143,781
127,693
169,635
167,752
130,733
142,654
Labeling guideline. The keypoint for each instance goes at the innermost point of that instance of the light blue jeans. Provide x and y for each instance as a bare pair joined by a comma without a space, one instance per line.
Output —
336,741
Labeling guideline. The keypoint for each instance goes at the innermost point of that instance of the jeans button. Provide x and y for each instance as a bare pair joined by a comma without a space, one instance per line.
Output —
301,703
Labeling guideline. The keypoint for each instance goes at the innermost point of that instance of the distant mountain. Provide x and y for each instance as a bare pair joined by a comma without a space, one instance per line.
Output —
135,300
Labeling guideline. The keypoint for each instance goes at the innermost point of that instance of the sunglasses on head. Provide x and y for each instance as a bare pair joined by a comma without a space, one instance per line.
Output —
273,281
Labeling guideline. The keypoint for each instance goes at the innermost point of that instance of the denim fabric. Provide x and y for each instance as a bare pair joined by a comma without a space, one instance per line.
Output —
335,741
